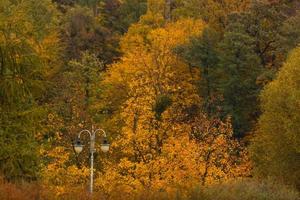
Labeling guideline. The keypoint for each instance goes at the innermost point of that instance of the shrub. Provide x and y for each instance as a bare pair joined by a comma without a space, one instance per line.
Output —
246,189
9,191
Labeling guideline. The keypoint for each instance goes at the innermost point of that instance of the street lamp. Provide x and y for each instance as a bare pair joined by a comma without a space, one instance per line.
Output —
78,147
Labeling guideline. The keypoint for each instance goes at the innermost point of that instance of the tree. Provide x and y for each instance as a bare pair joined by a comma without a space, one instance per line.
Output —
214,13
83,32
240,67
275,148
263,22
29,48
60,176
253,49
93,4
75,105
161,146
203,52
130,12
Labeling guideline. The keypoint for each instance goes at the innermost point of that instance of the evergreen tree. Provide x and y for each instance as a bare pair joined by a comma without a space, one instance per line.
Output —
130,12
28,54
202,52
253,49
239,66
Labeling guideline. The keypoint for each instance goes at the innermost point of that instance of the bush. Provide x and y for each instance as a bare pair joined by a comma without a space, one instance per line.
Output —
242,189
247,189
31,191
9,191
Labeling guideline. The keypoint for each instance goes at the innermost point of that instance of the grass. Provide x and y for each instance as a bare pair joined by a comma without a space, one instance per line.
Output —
246,189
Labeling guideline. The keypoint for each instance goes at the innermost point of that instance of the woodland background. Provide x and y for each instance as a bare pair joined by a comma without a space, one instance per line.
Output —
200,98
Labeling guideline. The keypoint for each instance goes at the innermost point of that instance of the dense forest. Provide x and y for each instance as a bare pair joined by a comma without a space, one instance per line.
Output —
200,99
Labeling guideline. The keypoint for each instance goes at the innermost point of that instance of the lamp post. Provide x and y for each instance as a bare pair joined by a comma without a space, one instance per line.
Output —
78,147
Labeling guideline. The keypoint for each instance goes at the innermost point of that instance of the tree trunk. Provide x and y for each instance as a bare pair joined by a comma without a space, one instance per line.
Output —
168,10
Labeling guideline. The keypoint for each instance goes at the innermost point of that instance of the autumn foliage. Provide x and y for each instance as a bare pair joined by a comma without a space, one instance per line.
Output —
166,142
198,99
